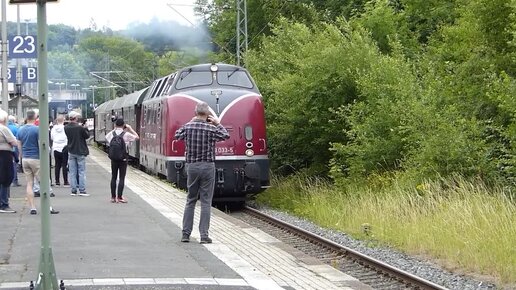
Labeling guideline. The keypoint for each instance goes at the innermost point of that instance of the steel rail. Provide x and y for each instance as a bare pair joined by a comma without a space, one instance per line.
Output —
406,277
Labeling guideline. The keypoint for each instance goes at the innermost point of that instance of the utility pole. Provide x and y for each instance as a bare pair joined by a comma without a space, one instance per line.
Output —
5,85
241,28
47,279
18,86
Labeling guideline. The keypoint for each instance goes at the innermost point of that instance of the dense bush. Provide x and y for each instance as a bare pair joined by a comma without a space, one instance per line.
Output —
338,104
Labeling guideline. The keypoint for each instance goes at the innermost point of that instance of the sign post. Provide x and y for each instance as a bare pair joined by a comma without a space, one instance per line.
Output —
26,46
5,89
47,273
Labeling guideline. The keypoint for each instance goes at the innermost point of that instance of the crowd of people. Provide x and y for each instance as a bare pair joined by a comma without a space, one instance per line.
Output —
20,151
20,145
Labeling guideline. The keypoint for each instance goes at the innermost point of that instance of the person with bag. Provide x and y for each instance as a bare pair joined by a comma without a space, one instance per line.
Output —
7,142
60,150
118,139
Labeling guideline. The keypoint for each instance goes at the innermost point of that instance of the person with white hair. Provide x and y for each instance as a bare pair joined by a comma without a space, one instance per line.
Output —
7,142
200,135
12,124
77,151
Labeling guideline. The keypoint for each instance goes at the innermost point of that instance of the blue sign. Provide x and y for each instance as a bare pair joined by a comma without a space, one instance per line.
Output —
29,75
22,46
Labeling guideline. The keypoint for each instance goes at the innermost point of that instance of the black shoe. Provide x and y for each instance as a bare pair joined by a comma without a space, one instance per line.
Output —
206,240
52,194
185,238
7,210
36,194
33,211
53,211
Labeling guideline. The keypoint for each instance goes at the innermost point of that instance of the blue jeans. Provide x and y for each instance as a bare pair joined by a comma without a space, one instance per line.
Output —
77,165
4,196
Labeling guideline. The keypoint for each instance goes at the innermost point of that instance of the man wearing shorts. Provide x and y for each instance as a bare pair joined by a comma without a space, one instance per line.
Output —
28,144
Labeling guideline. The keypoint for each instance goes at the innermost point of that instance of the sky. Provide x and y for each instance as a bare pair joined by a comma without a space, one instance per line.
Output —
115,14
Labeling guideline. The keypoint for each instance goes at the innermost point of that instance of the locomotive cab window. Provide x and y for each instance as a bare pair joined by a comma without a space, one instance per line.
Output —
189,79
236,77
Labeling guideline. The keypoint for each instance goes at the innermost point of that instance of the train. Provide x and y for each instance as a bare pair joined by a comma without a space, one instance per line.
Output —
157,111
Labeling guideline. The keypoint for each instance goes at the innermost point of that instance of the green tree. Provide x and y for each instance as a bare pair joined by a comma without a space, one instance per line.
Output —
122,60
64,65
61,35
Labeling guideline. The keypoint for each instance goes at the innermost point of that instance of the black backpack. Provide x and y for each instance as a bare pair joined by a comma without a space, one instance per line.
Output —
117,148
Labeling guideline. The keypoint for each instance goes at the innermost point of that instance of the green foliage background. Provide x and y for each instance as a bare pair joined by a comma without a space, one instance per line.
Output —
353,89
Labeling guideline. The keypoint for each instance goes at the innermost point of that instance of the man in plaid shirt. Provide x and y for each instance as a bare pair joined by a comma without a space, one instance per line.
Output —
200,135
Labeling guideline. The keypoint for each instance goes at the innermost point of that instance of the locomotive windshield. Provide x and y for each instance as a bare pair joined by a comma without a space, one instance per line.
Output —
236,77
193,79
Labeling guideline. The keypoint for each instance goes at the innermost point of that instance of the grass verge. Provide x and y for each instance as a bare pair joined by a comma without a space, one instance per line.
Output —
463,224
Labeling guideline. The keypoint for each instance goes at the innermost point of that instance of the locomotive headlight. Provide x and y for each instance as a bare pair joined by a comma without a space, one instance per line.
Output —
249,152
214,68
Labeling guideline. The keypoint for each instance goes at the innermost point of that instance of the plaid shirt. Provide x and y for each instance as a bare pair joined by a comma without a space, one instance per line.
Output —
200,138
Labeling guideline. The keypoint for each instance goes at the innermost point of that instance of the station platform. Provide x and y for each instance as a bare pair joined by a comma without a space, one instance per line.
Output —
97,244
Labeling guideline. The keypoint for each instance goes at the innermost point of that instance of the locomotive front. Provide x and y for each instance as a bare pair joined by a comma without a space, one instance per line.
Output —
242,163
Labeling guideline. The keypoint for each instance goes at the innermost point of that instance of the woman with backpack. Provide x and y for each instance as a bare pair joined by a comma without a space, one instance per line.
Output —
118,140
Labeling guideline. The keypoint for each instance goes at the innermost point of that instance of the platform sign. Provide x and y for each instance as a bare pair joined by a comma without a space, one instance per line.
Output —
22,46
11,75
29,75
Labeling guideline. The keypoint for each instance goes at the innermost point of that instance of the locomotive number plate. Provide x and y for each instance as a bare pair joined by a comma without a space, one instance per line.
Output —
224,150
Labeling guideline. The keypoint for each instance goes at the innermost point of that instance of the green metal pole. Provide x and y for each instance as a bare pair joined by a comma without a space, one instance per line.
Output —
47,275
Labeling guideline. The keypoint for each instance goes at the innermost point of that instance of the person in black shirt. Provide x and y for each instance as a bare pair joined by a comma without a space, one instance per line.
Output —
77,135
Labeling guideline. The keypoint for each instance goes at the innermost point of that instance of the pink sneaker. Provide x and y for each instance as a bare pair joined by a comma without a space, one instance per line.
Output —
121,200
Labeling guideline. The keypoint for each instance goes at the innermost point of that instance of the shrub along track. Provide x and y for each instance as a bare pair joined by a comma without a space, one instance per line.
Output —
367,270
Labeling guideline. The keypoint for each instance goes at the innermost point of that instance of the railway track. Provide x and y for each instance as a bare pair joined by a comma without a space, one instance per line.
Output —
372,272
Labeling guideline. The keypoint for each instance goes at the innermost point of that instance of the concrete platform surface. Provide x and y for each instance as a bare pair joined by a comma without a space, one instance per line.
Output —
100,245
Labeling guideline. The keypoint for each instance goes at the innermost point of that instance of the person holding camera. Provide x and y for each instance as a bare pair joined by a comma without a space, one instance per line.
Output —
118,139
77,135
200,135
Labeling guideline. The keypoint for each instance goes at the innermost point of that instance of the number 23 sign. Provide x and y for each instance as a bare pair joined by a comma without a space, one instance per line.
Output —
22,46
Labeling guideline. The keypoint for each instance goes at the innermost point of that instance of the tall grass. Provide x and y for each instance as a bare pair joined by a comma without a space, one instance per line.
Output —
462,224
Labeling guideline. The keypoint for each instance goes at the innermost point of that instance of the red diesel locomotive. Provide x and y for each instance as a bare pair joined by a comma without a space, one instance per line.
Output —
242,163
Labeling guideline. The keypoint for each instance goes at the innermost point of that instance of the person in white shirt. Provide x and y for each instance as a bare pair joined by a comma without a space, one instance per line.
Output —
59,141
119,167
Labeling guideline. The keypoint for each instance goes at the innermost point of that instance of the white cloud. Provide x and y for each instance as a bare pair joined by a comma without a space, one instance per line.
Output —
115,14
